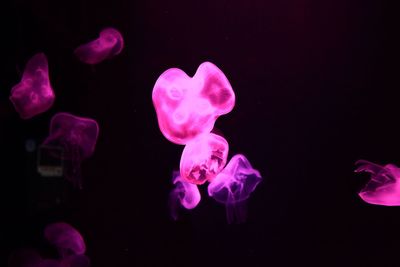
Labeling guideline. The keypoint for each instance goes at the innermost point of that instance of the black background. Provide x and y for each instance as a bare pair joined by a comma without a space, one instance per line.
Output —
313,95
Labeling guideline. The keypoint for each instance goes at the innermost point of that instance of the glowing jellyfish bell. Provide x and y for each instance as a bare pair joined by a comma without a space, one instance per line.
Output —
33,94
233,186
66,239
384,186
109,44
77,137
184,194
187,107
203,158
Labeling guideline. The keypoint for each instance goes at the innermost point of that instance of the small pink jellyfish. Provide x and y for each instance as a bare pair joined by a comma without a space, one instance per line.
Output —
185,193
384,187
24,258
77,137
33,95
66,239
233,186
203,158
109,44
187,107
51,263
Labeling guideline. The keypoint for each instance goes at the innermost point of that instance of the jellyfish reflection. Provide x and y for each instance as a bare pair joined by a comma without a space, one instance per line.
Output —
77,136
186,106
34,94
108,45
233,186
384,186
184,194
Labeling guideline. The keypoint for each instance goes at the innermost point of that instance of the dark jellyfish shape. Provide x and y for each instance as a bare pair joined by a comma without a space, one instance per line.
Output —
109,44
34,94
203,158
233,186
66,239
77,137
24,258
384,186
189,106
184,194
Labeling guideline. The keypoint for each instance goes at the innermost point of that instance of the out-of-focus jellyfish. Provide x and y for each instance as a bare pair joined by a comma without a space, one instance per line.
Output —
233,186
77,261
203,158
77,137
187,107
51,263
34,94
384,187
184,194
24,258
66,239
109,44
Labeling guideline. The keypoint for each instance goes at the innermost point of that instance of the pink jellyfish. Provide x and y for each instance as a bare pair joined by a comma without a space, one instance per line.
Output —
77,137
109,44
233,186
187,107
203,158
185,193
66,239
24,258
33,95
384,187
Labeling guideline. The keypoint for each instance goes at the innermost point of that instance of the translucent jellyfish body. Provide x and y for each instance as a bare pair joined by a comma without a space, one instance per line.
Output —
109,44
34,94
203,158
384,186
187,107
184,194
233,186
77,137
66,239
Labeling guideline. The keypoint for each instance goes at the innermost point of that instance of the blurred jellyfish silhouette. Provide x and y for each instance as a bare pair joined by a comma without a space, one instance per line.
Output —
76,137
187,107
109,44
184,195
384,186
203,158
233,186
24,258
33,94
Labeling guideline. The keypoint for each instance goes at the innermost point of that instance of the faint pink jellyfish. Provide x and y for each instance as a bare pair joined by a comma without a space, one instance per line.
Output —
51,263
233,186
77,137
33,95
24,258
66,239
203,158
187,107
184,194
384,187
76,261
109,44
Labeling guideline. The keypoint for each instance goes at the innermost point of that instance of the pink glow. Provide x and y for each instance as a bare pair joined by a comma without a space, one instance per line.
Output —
203,158
233,186
186,193
65,238
77,136
187,107
384,187
33,95
109,44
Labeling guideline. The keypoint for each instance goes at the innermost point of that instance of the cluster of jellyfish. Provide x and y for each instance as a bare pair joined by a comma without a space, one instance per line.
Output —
75,136
187,108
68,242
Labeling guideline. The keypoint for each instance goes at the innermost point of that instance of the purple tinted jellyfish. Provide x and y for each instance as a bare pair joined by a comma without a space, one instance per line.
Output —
77,137
24,258
233,186
384,187
77,261
203,158
33,95
184,194
51,263
66,239
108,45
